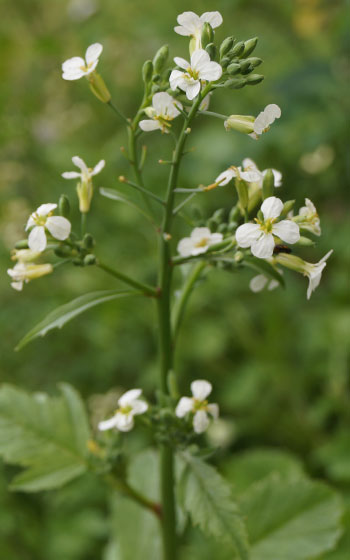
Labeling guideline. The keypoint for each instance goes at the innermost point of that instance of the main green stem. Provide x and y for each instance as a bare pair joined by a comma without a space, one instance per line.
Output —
166,341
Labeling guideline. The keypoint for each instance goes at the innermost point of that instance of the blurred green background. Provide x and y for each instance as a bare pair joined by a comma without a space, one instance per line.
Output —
278,363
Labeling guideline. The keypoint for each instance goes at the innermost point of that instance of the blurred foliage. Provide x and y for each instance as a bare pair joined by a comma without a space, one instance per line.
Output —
279,364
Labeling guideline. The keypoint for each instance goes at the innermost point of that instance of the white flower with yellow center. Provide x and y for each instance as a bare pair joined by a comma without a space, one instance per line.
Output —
84,188
252,126
129,406
164,109
42,220
199,242
260,237
198,406
308,218
191,25
76,67
249,175
200,68
23,272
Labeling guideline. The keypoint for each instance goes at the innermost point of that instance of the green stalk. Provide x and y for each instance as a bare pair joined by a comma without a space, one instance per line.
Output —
179,308
147,290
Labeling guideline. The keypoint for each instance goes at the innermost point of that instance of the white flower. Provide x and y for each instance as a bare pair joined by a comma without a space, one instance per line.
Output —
24,272
164,109
308,218
200,68
254,127
198,405
84,188
250,165
259,282
260,236
129,406
250,175
76,67
42,220
199,242
191,25
24,255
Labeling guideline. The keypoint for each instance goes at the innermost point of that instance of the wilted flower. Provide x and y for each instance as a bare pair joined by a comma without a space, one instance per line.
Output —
200,68
129,406
40,221
199,242
23,272
308,219
260,236
252,126
76,67
84,188
164,109
198,405
191,25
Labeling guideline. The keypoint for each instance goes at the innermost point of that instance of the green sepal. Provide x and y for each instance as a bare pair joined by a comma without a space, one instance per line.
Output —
268,184
160,59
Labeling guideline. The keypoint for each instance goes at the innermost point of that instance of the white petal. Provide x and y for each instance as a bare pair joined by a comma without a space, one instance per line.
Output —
248,163
45,209
213,409
287,230
190,21
247,234
201,389
93,52
250,176
199,232
74,75
73,64
18,286
149,125
182,30
59,227
176,79
80,163
181,62
37,239
200,59
98,167
261,123
273,284
139,407
71,175
185,247
272,111
107,424
130,396
214,18
184,406
161,101
200,421
263,247
211,72
192,90
215,238
31,222
271,207
226,176
277,177
258,283
124,422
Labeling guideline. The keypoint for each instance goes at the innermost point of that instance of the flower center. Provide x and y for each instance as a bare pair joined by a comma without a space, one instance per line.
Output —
125,409
41,220
266,226
202,242
199,405
194,74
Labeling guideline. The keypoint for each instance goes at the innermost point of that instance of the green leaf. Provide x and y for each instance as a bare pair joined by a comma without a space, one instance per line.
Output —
46,435
136,529
263,267
65,313
206,496
114,194
291,520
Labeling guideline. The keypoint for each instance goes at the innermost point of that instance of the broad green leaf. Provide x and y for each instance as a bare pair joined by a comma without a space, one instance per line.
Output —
65,313
291,520
114,194
136,529
46,435
248,467
263,267
206,496
341,551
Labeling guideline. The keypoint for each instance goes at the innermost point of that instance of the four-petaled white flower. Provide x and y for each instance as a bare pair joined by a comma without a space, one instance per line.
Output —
265,119
42,220
308,218
23,272
259,282
76,67
86,173
249,175
129,406
198,405
250,165
199,242
191,25
200,68
164,109
260,236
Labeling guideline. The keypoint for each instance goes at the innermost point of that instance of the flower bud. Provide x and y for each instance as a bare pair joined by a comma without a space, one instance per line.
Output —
246,67
99,88
85,192
254,79
88,241
211,50
224,62
222,228
207,35
236,83
212,225
254,61
226,46
268,184
249,46
218,215
63,251
233,215
22,244
237,49
24,255
305,242
233,68
241,123
242,191
287,207
64,206
147,71
160,58
89,260
156,78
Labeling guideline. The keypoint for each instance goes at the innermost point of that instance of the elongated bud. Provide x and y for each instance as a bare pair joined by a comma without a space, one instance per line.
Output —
64,206
63,251
218,215
212,225
249,46
226,46
236,83
160,58
237,49
22,244
147,71
85,192
254,79
234,214
99,88
207,35
287,207
233,68
246,67
211,50
254,61
305,242
88,241
268,184
24,255
242,123
242,191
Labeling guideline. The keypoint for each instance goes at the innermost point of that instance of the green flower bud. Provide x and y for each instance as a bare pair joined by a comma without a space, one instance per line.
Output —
155,89
88,241
242,123
160,58
249,46
246,67
242,191
22,244
218,215
234,214
207,35
211,50
98,87
226,46
212,225
236,83
147,71
268,184
156,78
89,260
225,62
305,242
63,251
254,61
237,49
233,69
232,226
222,228
239,256
64,206
287,207
254,79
